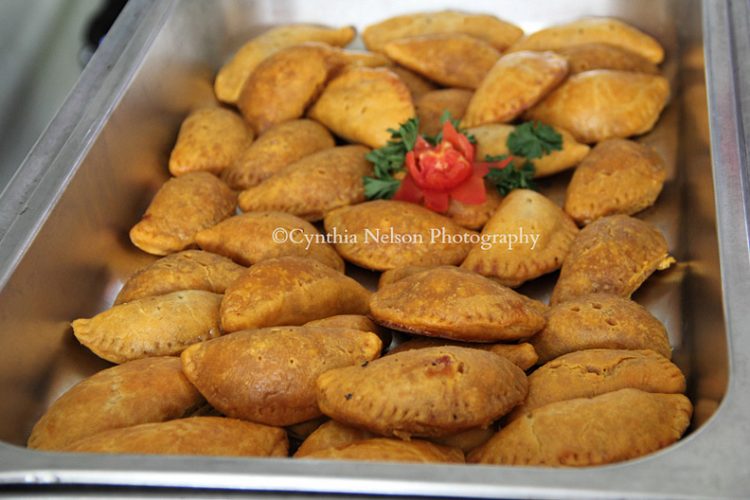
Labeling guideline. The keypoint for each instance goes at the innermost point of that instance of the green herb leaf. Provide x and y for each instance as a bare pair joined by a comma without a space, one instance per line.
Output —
511,177
446,116
380,188
533,140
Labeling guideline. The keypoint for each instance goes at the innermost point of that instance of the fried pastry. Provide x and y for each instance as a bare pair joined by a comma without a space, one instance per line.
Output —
354,322
454,303
210,139
277,148
515,83
302,430
450,59
345,57
609,428
332,434
431,106
599,321
474,216
152,326
268,375
256,236
602,104
233,75
498,33
313,186
588,56
187,270
216,436
138,392
614,254
593,30
618,177
361,104
585,374
284,85
289,291
417,85
522,355
392,450
466,441
450,389
492,141
183,206
393,275
385,234
550,234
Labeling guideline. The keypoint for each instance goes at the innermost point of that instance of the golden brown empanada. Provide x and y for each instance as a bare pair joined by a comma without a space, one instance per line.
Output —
290,291
190,436
602,104
454,303
284,85
522,355
599,321
268,375
515,83
381,235
474,216
543,231
138,392
431,106
332,434
302,430
278,147
618,177
187,270
492,141
255,236
361,104
392,450
466,441
354,322
346,57
183,206
313,186
609,428
417,85
210,139
450,59
588,56
498,33
395,274
152,326
585,374
450,389
232,76
593,30
614,254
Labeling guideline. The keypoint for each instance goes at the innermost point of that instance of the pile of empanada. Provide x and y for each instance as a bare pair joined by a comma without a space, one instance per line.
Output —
249,335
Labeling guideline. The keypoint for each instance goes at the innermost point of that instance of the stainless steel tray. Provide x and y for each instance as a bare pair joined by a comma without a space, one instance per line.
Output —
64,249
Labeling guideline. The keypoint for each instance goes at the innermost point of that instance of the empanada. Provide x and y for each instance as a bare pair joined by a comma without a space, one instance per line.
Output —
354,322
466,441
210,139
474,216
609,428
268,375
187,270
138,392
152,326
302,430
190,436
544,234
599,321
284,85
602,104
395,274
585,374
385,234
450,59
492,141
232,76
618,177
431,106
255,236
498,33
522,355
593,30
417,85
332,434
392,450
183,206
515,83
614,254
278,147
588,56
450,389
454,303
345,57
361,104
314,185
289,291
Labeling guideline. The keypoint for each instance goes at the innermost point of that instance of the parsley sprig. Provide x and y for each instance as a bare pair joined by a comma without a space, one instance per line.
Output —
389,160
511,177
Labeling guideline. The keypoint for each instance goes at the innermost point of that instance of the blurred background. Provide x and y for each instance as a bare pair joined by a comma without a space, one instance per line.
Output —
44,46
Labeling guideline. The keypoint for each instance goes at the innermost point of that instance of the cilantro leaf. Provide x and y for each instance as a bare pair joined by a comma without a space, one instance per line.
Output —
446,116
380,188
533,140
511,177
